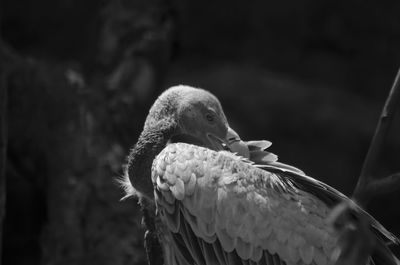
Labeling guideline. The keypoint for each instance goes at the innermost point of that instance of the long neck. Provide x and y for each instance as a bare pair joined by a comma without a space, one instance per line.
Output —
152,140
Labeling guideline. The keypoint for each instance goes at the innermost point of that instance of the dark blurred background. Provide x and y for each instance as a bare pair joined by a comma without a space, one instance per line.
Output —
311,76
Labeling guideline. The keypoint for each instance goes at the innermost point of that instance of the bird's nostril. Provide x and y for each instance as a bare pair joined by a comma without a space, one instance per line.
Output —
233,140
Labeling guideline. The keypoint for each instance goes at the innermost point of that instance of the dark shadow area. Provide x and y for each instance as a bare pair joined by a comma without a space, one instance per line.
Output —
309,76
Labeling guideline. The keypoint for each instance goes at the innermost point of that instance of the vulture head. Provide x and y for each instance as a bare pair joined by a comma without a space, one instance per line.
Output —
180,114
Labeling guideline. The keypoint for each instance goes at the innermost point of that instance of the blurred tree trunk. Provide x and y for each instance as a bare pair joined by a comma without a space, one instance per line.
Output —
70,126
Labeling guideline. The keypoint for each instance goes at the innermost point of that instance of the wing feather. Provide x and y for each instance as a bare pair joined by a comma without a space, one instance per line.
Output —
236,213
245,262
173,219
219,253
277,260
251,199
233,259
209,254
192,243
182,255
327,195
269,260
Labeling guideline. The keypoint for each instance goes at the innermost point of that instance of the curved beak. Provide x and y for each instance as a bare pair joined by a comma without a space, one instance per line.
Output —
231,142
231,136
235,144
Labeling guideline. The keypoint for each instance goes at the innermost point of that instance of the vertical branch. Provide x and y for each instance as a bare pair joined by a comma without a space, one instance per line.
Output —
356,240
368,185
3,147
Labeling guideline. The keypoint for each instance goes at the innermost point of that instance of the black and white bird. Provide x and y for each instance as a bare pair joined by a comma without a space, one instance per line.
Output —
219,200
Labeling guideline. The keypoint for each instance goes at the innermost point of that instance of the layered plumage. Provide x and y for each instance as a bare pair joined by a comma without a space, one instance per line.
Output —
218,207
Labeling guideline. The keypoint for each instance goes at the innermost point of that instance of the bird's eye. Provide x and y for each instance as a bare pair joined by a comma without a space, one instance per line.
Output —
210,117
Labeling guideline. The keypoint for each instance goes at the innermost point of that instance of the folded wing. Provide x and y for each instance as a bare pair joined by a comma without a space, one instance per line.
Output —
221,210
